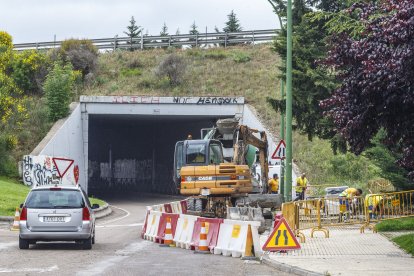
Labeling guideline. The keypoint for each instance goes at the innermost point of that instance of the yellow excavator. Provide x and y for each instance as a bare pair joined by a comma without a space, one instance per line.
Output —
216,172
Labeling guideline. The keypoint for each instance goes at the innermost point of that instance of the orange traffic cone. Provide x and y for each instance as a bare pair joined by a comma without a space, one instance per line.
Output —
16,222
168,238
202,244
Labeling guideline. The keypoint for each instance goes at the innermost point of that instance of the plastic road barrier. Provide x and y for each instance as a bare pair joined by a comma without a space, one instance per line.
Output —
212,229
152,226
167,208
144,228
233,237
183,206
176,207
184,231
159,208
160,237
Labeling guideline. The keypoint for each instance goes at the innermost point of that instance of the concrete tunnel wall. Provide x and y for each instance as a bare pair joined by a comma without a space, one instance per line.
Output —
67,141
94,136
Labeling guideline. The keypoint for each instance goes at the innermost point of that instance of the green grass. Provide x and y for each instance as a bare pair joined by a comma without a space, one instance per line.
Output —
97,201
406,242
13,193
404,224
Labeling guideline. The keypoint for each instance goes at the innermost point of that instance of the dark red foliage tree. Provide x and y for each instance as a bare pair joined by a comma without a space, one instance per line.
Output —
377,73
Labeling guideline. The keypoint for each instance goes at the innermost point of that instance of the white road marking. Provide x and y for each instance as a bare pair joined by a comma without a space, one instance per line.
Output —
39,270
122,254
119,225
113,220
5,245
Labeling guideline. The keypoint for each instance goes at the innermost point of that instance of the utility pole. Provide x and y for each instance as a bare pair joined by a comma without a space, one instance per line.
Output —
282,137
288,190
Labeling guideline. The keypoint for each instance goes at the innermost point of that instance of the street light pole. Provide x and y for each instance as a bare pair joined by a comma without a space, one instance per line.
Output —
288,191
282,137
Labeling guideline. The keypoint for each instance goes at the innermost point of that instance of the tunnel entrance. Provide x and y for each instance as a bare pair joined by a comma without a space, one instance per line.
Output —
134,153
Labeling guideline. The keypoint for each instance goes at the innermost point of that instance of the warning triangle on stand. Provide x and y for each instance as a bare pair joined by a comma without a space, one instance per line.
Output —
62,165
280,152
282,238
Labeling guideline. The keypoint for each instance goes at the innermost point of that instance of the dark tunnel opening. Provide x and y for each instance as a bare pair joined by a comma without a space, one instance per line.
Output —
135,153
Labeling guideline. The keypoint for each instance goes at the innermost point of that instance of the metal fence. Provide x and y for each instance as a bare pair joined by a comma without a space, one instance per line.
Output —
184,40
320,214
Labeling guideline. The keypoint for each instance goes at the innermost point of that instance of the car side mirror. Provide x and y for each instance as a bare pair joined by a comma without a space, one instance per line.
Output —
95,206
21,205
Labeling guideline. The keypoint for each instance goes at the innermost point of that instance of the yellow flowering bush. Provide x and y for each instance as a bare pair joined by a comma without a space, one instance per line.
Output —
6,50
29,70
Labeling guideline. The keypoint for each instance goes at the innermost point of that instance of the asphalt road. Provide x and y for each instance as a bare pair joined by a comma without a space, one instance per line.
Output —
119,250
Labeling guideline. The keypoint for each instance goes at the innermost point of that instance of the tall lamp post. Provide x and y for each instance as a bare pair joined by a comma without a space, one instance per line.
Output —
288,189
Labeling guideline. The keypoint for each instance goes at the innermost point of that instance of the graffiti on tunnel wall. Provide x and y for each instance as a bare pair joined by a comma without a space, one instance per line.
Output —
47,170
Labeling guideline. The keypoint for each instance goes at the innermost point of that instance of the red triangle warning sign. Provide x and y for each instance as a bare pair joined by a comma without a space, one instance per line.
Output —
280,152
62,165
282,238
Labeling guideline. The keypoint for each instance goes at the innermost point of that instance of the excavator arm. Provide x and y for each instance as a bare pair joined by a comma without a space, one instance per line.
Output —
244,136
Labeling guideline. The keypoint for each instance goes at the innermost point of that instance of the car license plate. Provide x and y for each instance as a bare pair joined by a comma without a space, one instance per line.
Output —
205,192
54,219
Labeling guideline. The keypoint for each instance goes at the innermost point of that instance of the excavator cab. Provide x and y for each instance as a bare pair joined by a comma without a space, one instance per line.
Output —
196,153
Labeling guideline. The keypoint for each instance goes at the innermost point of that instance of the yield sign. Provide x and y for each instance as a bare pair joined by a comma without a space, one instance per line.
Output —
282,238
280,152
62,165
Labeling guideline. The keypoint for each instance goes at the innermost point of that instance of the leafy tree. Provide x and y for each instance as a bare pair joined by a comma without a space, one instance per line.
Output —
6,50
58,89
133,32
29,69
12,109
386,159
232,25
193,31
311,82
81,53
375,67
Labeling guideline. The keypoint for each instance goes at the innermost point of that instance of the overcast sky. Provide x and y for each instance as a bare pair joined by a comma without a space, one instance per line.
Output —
40,20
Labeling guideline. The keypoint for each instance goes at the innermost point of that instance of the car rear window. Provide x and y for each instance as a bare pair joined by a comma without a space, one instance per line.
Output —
62,199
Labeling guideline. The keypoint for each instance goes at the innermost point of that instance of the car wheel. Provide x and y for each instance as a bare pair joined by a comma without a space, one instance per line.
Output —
23,244
87,244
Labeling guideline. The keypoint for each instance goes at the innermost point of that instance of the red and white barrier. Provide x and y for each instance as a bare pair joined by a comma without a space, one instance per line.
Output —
212,229
233,236
184,231
152,226
159,238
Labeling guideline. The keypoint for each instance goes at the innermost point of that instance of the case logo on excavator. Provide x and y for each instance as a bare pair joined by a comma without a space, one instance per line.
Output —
204,178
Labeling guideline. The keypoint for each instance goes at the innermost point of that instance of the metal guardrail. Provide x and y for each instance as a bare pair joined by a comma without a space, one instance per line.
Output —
197,40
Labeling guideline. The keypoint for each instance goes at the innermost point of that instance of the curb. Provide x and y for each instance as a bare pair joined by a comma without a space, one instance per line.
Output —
6,218
101,212
289,268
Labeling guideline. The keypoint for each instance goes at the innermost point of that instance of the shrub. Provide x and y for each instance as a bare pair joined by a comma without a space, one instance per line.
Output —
217,54
131,72
173,68
81,53
7,165
241,57
58,90
134,62
29,71
6,48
